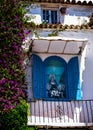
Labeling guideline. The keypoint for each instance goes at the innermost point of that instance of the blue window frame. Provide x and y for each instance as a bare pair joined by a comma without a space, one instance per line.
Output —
53,17
54,79
50,16
46,16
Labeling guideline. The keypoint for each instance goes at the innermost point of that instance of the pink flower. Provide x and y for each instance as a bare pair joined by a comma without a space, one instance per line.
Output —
1,99
5,55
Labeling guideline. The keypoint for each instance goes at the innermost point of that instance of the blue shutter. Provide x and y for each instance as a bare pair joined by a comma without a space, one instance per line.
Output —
38,77
74,86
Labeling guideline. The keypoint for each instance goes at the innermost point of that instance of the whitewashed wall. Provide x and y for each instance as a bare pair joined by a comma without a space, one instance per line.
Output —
88,72
29,78
35,14
79,11
74,15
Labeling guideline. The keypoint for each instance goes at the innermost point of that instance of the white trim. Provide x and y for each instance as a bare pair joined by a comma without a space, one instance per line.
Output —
60,124
58,38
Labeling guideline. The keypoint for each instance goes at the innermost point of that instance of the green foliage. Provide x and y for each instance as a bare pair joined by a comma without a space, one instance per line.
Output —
54,33
32,128
16,119
50,35
28,111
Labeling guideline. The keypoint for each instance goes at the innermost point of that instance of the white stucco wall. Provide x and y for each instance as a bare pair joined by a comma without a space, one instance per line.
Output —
74,15
29,78
78,11
88,72
34,14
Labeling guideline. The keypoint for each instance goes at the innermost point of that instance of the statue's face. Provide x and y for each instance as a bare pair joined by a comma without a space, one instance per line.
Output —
52,78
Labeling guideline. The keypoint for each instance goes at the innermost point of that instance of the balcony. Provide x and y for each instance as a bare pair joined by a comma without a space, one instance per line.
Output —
61,114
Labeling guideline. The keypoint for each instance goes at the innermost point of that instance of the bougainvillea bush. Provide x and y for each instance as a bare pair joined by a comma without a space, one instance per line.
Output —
12,75
15,119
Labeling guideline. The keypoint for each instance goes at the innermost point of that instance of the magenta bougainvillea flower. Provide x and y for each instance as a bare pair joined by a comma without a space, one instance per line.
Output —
12,74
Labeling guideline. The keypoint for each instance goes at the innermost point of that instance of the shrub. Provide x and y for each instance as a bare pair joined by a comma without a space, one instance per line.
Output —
32,128
15,119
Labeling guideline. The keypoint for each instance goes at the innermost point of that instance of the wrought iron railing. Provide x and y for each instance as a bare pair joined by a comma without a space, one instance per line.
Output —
71,113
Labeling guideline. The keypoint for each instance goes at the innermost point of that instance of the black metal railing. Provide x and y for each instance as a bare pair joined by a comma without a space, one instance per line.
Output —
45,112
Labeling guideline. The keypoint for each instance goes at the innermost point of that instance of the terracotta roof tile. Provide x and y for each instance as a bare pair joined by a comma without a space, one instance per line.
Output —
58,26
80,2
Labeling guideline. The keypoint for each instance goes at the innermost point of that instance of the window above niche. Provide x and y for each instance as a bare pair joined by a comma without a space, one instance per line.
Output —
49,16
